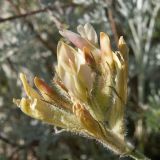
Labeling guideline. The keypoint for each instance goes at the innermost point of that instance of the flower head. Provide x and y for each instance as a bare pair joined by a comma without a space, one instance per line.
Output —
89,91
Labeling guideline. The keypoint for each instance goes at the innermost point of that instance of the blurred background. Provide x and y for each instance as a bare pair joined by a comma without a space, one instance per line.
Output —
28,39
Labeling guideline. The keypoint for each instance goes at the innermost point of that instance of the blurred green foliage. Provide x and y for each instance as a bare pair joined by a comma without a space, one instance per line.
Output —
28,44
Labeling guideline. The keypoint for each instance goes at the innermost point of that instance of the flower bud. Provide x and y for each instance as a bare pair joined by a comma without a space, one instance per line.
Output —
89,123
74,72
52,95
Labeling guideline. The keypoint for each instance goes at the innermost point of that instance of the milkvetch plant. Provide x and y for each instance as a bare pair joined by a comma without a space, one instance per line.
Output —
89,91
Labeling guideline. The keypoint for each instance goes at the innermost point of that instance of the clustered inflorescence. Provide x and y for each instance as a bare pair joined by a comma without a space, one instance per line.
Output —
89,91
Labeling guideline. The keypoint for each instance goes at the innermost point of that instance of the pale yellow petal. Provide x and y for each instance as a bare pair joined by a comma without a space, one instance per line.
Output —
86,76
41,110
66,53
68,80
117,62
28,89
65,50
106,47
123,48
81,31
79,59
91,33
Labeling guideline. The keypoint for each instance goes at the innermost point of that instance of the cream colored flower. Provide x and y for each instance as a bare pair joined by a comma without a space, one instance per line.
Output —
89,92
109,70
74,72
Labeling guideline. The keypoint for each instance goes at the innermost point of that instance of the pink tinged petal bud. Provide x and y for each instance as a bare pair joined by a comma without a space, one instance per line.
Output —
42,86
46,91
77,40
51,95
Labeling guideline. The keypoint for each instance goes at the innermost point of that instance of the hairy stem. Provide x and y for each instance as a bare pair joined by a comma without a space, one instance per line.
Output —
135,154
121,147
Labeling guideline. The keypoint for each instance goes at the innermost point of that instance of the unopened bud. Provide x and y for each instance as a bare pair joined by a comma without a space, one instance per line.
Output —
89,123
51,95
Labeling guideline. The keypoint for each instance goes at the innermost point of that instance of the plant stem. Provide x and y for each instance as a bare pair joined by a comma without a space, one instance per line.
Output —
137,155
121,147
